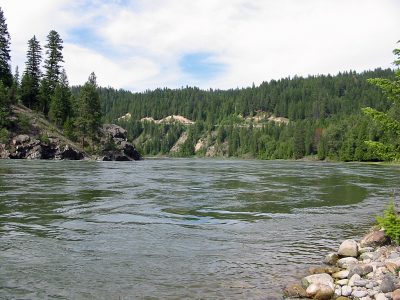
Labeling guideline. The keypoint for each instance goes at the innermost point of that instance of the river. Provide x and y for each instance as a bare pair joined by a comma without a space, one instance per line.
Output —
177,228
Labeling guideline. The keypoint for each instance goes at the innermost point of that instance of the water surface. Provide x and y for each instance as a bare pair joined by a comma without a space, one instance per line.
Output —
177,228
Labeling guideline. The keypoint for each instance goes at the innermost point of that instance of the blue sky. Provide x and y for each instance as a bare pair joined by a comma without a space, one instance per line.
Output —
145,44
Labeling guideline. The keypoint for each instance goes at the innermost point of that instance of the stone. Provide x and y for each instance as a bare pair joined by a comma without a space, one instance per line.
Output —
346,262
375,239
342,282
320,291
323,278
362,250
341,274
331,259
346,290
294,290
380,296
359,294
366,255
360,282
387,284
361,270
396,294
354,278
348,248
343,298
317,270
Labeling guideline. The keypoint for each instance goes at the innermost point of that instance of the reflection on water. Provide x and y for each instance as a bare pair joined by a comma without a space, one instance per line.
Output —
177,228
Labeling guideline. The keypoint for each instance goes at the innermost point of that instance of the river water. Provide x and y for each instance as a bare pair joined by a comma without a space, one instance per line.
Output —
177,228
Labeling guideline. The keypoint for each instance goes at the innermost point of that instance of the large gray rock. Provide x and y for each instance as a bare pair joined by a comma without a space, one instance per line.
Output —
361,270
375,239
348,248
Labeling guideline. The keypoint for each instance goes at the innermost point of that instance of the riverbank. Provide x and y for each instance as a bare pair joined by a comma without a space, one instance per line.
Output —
367,269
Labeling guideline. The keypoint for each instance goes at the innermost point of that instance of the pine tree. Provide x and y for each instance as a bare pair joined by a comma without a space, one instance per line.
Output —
52,65
30,83
388,121
5,58
88,118
60,106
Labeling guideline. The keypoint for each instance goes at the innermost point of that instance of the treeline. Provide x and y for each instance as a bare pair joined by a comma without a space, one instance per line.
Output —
324,112
45,89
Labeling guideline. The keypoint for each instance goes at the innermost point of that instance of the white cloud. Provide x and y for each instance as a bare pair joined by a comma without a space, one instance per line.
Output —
143,43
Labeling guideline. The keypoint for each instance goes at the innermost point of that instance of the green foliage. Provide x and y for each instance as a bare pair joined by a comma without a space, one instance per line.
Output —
4,106
389,121
390,222
5,68
44,138
24,123
61,106
88,119
4,136
30,83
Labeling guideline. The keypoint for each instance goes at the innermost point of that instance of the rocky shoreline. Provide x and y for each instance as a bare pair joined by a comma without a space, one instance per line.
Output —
114,146
366,270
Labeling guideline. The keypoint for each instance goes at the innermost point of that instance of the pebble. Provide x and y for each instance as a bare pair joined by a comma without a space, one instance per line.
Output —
359,294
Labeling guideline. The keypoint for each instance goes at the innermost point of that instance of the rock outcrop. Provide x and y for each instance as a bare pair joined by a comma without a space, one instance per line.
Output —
26,147
116,145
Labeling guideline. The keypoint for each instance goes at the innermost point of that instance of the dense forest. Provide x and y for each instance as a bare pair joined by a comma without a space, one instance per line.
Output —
324,118
45,89
319,117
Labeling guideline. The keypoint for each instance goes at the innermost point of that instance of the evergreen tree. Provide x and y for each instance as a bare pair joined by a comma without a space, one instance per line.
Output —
30,83
4,106
389,121
52,65
5,58
88,118
60,106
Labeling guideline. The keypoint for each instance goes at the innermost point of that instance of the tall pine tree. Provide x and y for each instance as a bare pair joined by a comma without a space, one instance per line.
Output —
5,58
60,106
30,83
52,65
88,118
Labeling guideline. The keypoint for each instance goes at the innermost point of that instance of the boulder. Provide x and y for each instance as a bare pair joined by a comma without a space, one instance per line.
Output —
348,248
294,290
375,239
354,278
320,291
323,278
380,296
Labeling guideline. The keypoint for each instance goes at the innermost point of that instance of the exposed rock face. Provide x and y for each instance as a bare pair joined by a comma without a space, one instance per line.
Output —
25,147
117,148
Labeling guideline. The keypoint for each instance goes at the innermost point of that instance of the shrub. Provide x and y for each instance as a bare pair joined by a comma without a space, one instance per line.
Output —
4,136
390,222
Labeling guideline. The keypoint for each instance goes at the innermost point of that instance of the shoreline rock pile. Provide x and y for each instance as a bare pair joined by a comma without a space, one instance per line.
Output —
364,270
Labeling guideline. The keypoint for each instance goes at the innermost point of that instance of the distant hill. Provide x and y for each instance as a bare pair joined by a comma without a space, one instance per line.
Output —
317,116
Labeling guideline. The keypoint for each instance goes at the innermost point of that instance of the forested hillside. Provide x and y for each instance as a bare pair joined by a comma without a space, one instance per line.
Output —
324,118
